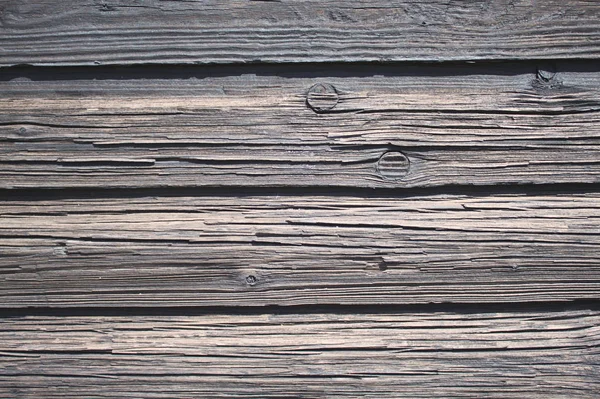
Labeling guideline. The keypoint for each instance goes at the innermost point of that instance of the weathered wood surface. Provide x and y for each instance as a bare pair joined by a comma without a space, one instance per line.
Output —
72,32
481,126
290,250
534,354
261,211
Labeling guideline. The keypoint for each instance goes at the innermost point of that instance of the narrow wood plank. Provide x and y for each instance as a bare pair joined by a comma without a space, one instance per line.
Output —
281,250
536,354
72,32
506,125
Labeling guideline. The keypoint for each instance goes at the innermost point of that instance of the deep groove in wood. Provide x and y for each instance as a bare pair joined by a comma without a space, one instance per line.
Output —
294,70
458,308
34,195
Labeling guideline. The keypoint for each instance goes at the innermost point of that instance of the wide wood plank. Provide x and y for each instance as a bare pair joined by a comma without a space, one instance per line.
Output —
472,126
537,354
289,250
72,32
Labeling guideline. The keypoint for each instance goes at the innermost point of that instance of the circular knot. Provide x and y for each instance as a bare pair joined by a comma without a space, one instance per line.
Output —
322,97
393,165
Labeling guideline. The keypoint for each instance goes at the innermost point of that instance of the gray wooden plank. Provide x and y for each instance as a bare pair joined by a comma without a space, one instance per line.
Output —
258,130
295,250
72,32
537,354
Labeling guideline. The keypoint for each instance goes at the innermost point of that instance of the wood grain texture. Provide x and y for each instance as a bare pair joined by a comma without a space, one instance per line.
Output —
290,250
72,32
299,199
482,126
408,355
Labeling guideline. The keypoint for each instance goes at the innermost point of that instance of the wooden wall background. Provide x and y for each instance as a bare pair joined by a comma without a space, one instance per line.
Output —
299,199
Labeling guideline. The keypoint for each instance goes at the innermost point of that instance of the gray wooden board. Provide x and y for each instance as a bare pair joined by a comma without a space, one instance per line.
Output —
535,354
232,245
258,130
73,32
290,250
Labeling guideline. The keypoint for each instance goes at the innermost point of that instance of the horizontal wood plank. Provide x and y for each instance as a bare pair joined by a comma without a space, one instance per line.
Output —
72,32
282,250
536,354
481,127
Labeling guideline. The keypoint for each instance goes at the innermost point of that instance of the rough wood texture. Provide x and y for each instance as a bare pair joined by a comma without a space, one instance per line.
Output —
230,199
279,250
534,354
481,126
153,31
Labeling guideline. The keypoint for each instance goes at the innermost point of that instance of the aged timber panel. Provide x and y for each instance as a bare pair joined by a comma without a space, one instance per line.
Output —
299,199
535,354
280,250
476,126
95,32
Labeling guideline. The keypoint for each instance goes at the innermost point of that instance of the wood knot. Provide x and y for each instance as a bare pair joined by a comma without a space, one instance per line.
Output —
393,165
251,280
104,7
60,250
545,75
546,78
322,97
23,132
